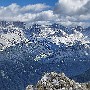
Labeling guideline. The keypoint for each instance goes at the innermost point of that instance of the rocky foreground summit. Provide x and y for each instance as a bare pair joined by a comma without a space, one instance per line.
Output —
55,81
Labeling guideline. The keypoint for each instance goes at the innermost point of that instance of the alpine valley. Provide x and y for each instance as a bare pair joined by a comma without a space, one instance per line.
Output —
29,51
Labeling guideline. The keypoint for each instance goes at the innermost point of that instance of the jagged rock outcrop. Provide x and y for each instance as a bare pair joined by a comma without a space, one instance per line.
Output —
55,81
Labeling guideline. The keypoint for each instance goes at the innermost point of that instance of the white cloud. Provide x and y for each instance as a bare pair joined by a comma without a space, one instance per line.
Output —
15,12
73,11
72,7
30,13
34,8
67,12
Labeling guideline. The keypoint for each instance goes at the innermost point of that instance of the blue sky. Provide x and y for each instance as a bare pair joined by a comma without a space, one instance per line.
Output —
26,2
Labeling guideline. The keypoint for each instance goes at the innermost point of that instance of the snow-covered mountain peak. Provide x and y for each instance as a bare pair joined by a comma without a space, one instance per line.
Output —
58,36
15,32
10,36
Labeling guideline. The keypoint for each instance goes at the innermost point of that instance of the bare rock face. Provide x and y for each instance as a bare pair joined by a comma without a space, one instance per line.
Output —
55,81
30,87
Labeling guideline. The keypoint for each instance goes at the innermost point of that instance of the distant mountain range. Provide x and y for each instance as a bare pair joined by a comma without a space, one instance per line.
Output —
27,52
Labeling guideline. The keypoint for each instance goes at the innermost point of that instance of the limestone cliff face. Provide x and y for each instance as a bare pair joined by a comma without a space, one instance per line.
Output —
55,81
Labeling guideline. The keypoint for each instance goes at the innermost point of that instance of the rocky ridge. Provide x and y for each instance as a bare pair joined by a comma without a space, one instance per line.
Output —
55,81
